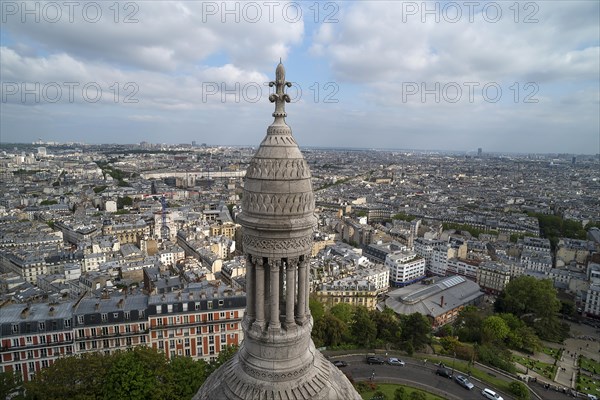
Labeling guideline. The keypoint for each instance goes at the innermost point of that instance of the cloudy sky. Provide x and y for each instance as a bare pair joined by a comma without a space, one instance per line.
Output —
504,76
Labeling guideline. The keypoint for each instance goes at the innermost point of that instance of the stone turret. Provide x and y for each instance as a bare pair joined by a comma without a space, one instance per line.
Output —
277,359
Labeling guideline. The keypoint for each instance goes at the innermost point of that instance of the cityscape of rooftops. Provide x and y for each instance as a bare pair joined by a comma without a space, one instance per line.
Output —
311,200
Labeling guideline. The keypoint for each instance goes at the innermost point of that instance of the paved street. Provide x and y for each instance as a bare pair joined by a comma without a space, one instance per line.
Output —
420,375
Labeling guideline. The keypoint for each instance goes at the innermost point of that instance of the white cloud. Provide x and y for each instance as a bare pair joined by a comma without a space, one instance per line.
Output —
379,41
202,86
167,36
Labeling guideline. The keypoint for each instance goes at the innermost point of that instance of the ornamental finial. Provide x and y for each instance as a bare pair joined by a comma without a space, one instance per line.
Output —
279,97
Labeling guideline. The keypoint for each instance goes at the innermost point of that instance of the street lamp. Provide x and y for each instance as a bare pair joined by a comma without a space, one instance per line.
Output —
453,358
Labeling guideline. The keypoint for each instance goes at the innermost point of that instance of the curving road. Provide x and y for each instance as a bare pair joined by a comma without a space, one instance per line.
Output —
422,375
414,373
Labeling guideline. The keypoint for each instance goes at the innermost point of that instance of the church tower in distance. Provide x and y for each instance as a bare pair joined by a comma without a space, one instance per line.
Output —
277,359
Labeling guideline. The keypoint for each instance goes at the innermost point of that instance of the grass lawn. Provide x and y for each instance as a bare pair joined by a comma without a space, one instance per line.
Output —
544,369
437,348
590,365
588,385
552,352
388,389
463,366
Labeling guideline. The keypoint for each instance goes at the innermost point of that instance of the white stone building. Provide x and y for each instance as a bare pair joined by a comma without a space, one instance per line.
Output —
405,268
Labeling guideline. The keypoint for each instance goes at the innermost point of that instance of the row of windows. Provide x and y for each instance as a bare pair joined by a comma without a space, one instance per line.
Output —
111,343
104,316
106,330
15,328
199,317
42,339
209,305
41,353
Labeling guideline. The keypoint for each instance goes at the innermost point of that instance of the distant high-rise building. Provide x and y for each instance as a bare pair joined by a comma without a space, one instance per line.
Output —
479,152
277,359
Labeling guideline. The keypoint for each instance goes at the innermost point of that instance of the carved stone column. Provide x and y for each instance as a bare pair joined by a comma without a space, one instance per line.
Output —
302,287
250,289
290,293
282,284
307,287
274,323
260,293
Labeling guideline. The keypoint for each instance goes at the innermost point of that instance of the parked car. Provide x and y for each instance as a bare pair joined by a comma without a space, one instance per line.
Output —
375,360
443,371
464,382
395,361
490,394
340,363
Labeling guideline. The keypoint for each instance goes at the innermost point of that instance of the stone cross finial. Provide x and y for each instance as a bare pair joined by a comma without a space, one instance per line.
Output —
279,97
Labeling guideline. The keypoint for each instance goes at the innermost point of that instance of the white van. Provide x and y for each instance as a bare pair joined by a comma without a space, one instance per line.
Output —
490,394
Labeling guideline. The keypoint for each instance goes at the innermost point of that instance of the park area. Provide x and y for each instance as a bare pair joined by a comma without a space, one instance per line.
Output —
588,380
532,364
388,391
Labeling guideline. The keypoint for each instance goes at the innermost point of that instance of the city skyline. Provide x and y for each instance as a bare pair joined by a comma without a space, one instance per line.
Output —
446,76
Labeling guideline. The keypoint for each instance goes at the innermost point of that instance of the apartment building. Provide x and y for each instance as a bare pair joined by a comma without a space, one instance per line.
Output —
405,268
493,277
198,322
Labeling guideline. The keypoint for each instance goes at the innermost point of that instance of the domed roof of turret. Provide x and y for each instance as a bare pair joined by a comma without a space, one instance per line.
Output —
278,195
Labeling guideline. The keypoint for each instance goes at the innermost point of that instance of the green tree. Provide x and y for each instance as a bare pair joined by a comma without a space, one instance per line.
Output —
592,225
124,201
520,390
185,376
137,374
528,339
521,336
404,217
388,326
468,325
567,307
316,308
330,330
536,303
79,378
400,393
494,329
343,311
379,395
415,330
363,329
495,356
417,395
450,344
10,384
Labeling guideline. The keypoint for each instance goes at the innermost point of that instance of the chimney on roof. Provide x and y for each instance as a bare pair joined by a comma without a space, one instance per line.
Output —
442,301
